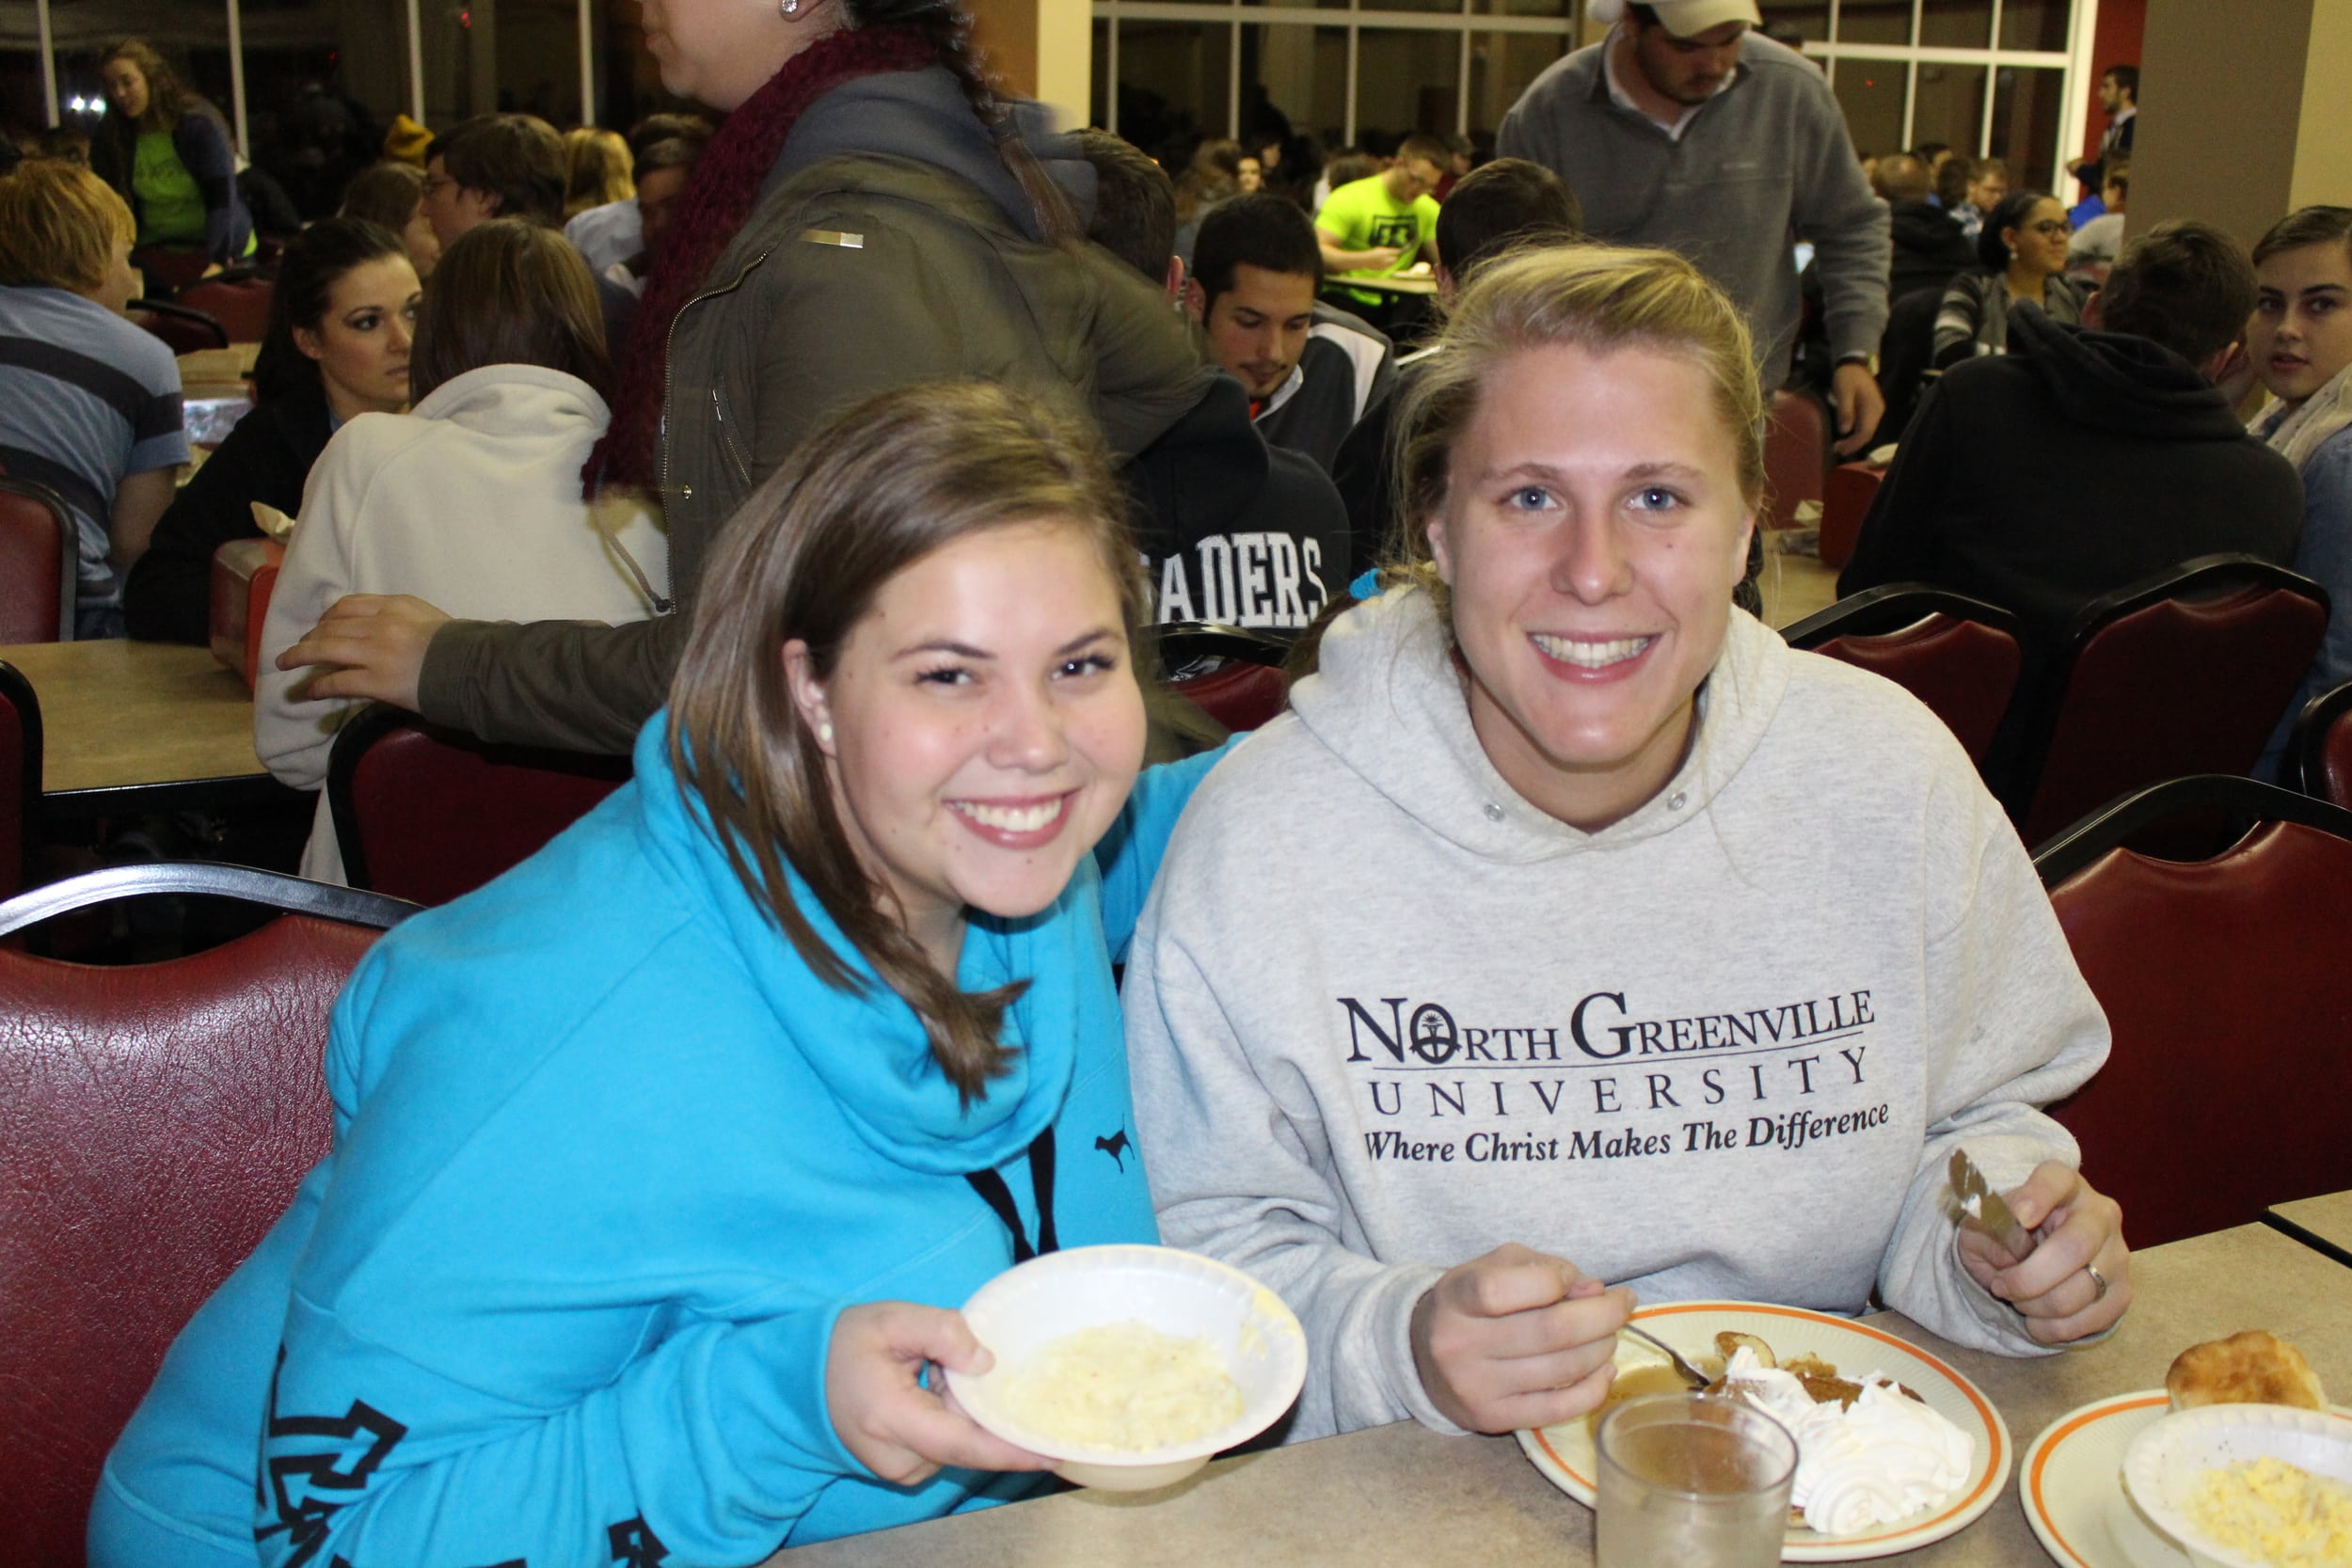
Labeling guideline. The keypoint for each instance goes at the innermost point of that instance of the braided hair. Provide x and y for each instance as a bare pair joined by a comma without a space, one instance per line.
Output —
948,26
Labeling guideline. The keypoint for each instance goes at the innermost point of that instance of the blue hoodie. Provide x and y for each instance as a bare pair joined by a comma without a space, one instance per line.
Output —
608,1161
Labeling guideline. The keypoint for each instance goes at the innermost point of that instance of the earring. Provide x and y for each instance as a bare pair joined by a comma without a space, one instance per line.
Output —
825,731
790,8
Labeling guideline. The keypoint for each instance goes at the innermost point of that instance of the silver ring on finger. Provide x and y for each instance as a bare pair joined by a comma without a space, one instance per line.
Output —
2098,1280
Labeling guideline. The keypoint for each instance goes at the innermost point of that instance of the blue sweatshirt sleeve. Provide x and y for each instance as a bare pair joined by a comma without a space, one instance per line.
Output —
203,146
1128,854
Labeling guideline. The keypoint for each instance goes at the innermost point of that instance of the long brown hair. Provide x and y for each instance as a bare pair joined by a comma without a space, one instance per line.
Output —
876,490
167,100
509,291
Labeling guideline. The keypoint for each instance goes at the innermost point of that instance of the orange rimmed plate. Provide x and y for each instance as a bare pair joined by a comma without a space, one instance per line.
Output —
2070,1484
1565,1453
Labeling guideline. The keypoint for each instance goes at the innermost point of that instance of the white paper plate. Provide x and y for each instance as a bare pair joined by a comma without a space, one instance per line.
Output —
1565,1453
2070,1485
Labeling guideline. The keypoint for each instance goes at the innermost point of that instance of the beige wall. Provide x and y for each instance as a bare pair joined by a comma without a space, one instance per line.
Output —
1042,48
2249,112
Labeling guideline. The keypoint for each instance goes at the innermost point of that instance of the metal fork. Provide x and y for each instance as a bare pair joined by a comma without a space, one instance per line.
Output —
1689,1373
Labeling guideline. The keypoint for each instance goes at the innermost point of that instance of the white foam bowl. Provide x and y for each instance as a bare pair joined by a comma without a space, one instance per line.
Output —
2168,1458
1025,1308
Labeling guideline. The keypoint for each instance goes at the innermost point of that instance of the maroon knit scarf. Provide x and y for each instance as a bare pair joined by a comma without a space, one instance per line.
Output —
717,202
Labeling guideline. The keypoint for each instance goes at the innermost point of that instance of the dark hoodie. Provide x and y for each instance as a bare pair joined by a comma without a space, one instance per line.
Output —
1929,247
1234,529
2075,464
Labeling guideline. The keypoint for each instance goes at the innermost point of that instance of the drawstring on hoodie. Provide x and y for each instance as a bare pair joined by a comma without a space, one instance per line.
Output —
998,1196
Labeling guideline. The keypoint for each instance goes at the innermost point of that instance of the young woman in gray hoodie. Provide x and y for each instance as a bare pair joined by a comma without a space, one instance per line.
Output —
1623,949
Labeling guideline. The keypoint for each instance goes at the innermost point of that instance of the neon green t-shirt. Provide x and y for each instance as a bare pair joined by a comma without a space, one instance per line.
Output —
1363,215
171,208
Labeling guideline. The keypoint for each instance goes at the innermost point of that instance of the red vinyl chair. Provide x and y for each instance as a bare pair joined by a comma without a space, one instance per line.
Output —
1845,500
2225,983
2185,673
154,1121
40,548
242,307
429,813
184,330
2319,753
1959,656
19,782
1796,455
1233,674
175,266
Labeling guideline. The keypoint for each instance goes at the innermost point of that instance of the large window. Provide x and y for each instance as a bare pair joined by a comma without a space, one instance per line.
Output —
1342,73
1986,76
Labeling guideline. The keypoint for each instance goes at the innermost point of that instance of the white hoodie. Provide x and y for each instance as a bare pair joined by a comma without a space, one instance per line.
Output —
1384,1015
470,501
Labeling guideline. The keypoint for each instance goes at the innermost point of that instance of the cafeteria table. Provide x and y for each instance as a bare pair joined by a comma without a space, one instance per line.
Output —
136,727
1405,1497
2324,1223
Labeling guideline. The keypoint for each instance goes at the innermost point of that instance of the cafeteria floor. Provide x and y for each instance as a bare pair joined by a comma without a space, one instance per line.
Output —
1794,585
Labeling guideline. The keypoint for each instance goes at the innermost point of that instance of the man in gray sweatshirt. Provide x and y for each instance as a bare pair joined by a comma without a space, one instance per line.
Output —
1685,130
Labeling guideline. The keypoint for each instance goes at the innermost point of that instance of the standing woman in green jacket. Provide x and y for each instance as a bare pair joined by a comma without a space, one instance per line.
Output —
871,216
166,151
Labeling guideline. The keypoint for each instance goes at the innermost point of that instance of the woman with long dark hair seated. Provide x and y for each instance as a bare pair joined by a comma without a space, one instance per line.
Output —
2021,253
342,316
661,1161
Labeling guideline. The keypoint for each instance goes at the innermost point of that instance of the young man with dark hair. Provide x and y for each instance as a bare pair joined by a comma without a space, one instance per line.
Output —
1233,527
2088,457
1687,130
1310,372
615,231
1378,226
2118,97
493,166
1928,245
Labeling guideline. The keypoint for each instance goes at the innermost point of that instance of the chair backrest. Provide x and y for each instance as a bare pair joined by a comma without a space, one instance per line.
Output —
2319,754
186,331
1231,673
2225,984
2184,674
429,813
20,780
241,307
40,548
1796,454
154,1121
1845,501
1959,656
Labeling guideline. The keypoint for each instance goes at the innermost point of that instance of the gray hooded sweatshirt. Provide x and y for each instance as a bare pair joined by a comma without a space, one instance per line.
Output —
1384,1015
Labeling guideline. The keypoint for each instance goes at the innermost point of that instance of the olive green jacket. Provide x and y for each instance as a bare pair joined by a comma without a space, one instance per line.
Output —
857,275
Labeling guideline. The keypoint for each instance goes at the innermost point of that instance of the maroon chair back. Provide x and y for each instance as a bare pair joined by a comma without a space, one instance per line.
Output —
184,331
154,1121
1959,656
2225,984
20,780
38,550
429,815
175,265
1796,455
2319,754
2184,674
1846,500
1231,673
241,307
1238,696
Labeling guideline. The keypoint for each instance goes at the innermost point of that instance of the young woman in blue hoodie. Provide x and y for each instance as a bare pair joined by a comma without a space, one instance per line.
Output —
661,1161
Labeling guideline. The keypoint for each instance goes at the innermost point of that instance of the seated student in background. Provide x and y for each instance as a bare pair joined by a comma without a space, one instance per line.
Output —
166,153
2156,467
1929,247
391,195
89,404
1517,844
473,499
1311,372
597,169
2300,343
662,1162
2021,256
2090,254
1233,529
614,232
1503,205
662,172
342,314
1382,224
1985,180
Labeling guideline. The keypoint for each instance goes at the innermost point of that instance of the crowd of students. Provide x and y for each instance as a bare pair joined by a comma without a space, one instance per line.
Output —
831,470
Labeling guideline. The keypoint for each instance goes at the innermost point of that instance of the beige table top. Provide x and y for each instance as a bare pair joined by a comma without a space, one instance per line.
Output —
1403,1496
116,714
2328,1218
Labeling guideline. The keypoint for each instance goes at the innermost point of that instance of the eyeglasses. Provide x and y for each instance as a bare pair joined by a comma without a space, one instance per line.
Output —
2056,229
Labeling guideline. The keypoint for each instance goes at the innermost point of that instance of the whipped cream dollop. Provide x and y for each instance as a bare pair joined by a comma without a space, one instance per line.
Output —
1870,1463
